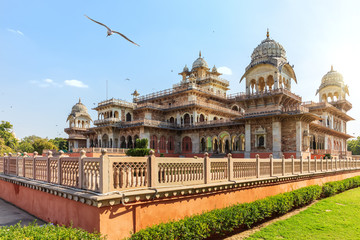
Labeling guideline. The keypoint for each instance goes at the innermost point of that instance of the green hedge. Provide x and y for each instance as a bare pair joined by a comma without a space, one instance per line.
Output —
138,152
223,221
48,231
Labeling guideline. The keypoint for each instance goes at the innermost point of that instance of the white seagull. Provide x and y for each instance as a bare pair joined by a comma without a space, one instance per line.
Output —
110,32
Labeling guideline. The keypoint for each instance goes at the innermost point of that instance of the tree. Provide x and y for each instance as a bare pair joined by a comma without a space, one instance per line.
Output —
25,146
7,135
354,146
41,144
60,143
4,148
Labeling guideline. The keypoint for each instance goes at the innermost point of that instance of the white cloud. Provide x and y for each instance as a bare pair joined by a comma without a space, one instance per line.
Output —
225,70
75,83
45,83
15,31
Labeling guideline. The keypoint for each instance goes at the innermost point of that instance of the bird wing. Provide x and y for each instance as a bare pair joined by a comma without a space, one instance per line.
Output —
99,23
126,38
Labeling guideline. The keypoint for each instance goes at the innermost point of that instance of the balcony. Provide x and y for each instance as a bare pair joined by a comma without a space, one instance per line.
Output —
106,121
117,102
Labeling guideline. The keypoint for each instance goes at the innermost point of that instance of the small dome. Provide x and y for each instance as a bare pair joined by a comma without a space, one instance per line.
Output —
186,69
268,48
332,77
200,62
79,108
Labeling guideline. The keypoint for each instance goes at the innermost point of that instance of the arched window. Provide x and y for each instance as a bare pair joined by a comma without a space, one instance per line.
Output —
135,138
116,114
261,141
153,142
235,108
202,118
171,145
186,119
215,118
130,142
186,145
128,117
122,142
172,120
162,144
203,145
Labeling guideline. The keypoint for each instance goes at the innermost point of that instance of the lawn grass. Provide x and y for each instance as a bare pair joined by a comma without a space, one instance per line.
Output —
336,217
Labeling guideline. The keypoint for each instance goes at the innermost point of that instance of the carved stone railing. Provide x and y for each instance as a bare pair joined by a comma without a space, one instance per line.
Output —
108,173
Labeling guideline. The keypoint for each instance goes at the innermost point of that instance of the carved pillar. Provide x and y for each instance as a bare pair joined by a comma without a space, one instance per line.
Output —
247,140
276,135
299,135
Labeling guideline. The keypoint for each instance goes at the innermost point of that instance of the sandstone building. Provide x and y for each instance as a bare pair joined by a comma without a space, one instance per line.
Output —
197,115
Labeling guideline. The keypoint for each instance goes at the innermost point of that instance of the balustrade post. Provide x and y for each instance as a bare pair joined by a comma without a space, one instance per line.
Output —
23,164
153,170
283,165
292,165
59,170
4,163
321,163
327,163
81,168
207,168
332,159
336,167
271,165
347,162
257,166
8,163
106,172
301,165
315,162
34,165
230,167
48,175
18,155
308,158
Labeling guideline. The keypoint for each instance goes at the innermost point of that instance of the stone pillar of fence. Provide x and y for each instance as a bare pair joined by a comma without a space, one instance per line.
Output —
321,164
207,168
315,162
153,170
283,164
308,159
327,163
257,166
48,175
81,168
271,165
331,163
230,167
4,163
106,172
18,155
336,167
301,164
59,175
292,165
8,163
34,164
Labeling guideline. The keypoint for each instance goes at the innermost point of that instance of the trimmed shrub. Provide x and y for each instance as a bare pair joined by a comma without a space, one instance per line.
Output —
141,143
48,231
332,188
222,221
138,152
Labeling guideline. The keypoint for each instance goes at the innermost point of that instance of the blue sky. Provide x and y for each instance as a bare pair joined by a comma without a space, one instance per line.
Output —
50,54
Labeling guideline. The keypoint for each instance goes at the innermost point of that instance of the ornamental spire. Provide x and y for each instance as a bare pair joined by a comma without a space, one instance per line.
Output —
267,33
200,53
332,68
79,100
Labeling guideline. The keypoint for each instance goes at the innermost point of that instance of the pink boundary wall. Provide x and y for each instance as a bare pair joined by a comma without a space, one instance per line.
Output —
118,221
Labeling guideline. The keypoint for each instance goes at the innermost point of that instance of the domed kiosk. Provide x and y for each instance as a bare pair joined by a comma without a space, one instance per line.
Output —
79,122
269,68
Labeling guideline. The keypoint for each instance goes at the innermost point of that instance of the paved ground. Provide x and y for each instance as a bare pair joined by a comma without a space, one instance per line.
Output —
10,215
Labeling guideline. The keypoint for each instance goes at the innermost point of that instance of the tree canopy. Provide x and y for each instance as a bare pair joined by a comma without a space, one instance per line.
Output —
354,146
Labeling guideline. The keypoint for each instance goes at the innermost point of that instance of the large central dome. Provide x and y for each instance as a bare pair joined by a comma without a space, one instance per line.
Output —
200,62
268,48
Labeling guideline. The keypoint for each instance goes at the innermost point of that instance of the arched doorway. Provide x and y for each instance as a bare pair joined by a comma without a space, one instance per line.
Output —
187,119
128,117
186,145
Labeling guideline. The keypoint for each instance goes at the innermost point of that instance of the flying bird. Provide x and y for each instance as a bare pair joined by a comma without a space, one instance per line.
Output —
127,79
110,32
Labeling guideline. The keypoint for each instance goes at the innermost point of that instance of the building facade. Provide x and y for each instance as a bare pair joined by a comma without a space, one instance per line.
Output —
197,115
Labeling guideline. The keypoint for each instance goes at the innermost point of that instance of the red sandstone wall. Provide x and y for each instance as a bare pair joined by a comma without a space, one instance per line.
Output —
118,221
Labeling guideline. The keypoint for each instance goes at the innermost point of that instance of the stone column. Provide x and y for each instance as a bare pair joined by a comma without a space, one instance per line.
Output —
143,134
299,135
87,142
276,134
247,140
276,80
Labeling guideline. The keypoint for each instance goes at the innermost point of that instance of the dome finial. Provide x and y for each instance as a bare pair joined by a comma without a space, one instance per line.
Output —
332,68
267,33
200,53
79,100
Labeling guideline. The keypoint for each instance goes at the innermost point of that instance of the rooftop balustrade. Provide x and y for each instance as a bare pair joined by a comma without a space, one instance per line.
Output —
107,173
